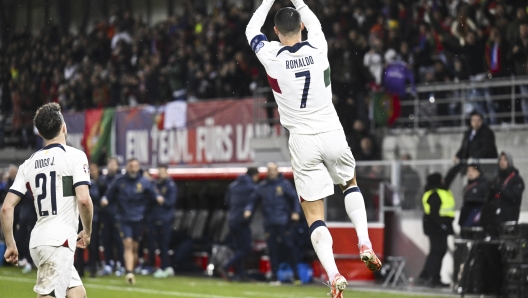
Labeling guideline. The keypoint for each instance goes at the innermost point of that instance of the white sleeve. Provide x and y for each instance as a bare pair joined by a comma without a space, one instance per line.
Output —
81,170
255,38
19,185
311,22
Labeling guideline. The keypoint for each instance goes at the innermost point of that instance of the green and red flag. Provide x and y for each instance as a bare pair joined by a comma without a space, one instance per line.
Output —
386,108
98,129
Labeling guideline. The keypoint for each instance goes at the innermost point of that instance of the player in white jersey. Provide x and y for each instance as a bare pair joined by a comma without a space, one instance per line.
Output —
58,178
299,74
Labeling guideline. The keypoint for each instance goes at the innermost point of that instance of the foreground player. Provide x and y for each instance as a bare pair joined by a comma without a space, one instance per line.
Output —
299,74
58,178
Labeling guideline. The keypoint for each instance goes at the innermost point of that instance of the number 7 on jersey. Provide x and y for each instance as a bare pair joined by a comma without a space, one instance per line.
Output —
306,75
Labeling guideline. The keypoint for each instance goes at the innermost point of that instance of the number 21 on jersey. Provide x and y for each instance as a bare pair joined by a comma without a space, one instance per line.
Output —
41,181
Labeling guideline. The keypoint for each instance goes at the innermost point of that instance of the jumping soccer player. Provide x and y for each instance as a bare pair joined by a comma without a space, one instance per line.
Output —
58,177
299,74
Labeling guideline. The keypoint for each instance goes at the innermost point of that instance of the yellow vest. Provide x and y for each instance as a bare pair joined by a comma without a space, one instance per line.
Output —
447,209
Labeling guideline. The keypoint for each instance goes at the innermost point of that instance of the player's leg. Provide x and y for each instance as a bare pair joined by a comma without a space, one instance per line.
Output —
128,245
313,183
54,271
341,166
271,242
75,288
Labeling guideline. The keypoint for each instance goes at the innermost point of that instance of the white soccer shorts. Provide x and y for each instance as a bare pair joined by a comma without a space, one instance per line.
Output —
319,161
55,270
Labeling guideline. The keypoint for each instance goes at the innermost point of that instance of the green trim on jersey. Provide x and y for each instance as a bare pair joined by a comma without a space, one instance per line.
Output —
67,186
327,76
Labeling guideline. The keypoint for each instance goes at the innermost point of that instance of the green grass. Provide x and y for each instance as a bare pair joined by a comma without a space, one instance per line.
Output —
14,284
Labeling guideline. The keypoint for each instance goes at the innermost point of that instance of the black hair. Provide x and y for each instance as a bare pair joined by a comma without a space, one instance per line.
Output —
252,171
48,120
475,113
113,158
163,166
288,21
132,159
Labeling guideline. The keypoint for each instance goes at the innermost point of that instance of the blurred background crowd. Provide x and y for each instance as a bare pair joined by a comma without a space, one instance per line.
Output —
199,54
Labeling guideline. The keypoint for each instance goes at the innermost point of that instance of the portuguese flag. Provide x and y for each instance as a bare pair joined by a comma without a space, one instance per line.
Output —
386,108
98,129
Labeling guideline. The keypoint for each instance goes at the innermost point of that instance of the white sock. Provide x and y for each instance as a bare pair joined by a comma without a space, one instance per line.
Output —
322,243
355,208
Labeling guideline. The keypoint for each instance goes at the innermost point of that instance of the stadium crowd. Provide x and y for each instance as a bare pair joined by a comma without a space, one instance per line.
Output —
198,55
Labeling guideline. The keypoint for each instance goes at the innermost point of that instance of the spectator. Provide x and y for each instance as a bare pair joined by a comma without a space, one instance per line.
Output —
439,212
505,194
519,57
159,223
512,34
410,184
396,75
237,197
110,233
368,150
373,59
280,207
478,141
358,132
133,194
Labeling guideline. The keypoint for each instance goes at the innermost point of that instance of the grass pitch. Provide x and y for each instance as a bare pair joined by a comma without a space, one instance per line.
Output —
15,285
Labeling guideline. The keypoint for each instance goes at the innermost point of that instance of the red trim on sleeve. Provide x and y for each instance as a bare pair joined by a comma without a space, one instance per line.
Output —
65,244
274,84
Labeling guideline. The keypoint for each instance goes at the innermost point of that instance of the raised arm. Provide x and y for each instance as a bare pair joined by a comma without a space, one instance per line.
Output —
311,22
253,34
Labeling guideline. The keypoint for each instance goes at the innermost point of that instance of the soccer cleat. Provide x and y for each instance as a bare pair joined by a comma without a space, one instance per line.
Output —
131,279
223,274
27,268
160,273
169,271
107,270
368,256
338,286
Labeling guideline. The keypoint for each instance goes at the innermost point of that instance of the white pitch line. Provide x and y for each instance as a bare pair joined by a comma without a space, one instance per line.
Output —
123,289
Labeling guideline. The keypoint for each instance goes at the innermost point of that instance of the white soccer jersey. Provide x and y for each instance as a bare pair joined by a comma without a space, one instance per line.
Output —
299,75
51,175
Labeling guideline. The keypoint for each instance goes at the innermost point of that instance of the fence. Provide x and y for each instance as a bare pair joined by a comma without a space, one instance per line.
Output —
503,100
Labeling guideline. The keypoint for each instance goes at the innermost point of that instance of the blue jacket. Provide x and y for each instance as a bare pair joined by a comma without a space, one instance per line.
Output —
96,200
279,200
164,212
237,197
104,183
134,196
395,78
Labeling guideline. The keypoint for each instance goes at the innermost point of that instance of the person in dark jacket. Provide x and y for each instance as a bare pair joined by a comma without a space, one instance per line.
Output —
478,141
280,206
505,195
159,222
93,249
236,199
134,195
110,238
28,219
439,213
475,195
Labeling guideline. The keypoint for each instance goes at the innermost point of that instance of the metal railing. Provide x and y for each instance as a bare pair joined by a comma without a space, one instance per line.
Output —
449,104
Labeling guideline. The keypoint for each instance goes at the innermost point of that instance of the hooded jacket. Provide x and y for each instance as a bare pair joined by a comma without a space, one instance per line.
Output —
279,200
506,191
